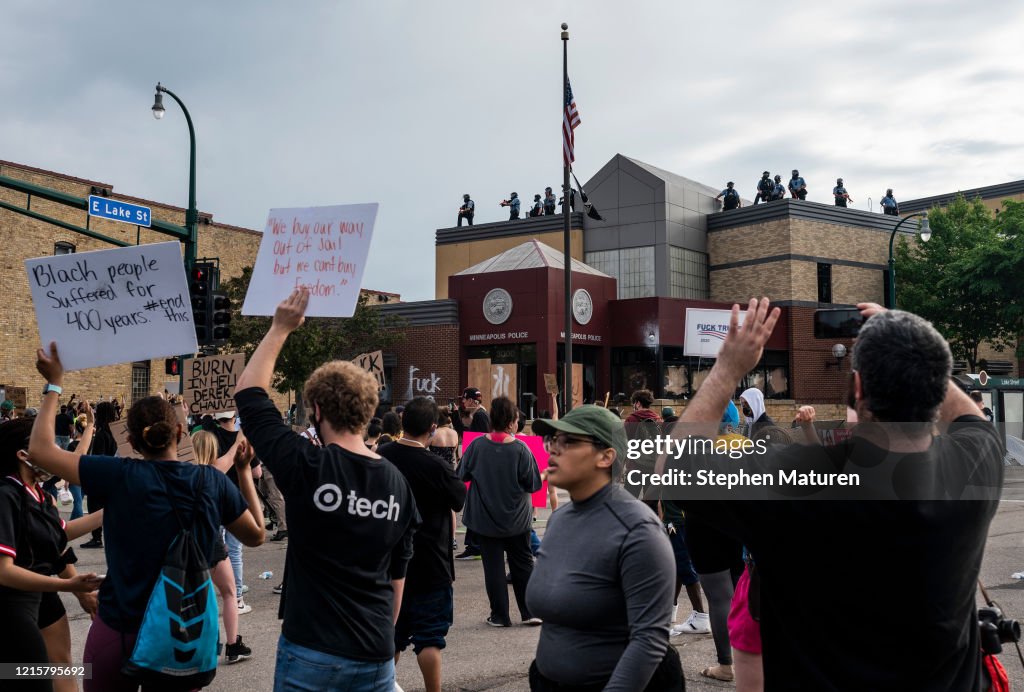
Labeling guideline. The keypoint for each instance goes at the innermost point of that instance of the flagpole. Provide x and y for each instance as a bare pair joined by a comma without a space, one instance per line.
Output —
566,211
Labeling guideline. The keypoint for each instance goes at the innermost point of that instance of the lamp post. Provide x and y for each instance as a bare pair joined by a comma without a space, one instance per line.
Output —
191,214
926,235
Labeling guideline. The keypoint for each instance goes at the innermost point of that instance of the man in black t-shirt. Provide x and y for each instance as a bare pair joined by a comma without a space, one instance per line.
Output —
923,548
473,418
65,428
351,520
427,606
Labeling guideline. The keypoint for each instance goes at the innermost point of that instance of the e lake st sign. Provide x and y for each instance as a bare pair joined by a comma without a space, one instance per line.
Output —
116,210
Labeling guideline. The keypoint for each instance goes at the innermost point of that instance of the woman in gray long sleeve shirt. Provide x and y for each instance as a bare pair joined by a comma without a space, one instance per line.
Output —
603,581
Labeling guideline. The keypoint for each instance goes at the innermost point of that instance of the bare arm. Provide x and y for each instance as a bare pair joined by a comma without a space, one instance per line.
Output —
398,587
248,528
76,528
41,446
805,418
21,579
289,316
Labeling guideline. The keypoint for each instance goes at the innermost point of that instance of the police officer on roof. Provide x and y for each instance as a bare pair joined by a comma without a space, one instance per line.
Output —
797,186
513,206
467,209
732,198
549,202
839,192
764,188
889,204
779,191
538,207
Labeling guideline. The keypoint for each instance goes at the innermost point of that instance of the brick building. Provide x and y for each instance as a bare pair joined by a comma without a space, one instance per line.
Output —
25,237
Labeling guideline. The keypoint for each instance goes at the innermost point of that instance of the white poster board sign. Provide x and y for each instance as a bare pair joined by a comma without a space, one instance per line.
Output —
322,248
706,330
113,306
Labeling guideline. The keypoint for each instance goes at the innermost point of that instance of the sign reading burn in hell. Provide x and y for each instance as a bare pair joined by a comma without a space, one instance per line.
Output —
113,306
210,383
321,248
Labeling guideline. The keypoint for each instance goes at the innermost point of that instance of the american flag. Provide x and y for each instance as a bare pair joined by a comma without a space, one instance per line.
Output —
570,121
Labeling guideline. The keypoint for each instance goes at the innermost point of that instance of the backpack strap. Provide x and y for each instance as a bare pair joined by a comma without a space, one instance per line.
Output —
196,487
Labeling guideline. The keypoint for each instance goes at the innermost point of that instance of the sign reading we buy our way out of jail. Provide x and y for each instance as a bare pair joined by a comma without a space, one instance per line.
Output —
321,248
113,306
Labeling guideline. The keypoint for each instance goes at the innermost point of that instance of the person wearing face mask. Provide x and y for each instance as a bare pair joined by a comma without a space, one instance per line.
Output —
764,188
33,546
840,193
797,186
752,401
779,191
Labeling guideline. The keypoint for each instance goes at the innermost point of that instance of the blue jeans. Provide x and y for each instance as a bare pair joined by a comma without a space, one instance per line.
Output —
76,508
235,556
304,670
534,542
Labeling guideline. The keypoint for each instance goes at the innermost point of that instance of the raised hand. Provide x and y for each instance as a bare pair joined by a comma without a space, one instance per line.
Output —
291,313
744,344
49,365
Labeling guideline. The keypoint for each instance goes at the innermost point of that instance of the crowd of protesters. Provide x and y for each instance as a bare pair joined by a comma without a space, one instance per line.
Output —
603,585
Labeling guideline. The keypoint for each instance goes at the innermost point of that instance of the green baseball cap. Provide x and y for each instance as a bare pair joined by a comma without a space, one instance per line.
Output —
591,421
8,405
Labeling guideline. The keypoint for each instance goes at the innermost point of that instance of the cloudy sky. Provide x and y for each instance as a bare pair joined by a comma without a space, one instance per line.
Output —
410,104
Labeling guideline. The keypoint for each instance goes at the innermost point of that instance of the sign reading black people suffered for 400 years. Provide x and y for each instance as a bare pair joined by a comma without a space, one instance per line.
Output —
113,306
210,383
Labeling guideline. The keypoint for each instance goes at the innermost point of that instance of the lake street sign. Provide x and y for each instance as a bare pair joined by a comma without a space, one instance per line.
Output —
117,210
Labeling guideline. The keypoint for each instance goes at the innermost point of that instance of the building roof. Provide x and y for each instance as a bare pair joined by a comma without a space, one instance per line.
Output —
670,177
532,254
1015,187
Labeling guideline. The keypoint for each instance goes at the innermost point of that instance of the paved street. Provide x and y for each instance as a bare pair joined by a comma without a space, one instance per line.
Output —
480,657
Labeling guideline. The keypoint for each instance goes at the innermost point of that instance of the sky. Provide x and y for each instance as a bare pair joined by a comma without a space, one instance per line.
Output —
411,104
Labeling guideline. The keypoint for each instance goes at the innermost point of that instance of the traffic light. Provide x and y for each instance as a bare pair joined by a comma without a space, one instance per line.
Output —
200,288
221,318
171,367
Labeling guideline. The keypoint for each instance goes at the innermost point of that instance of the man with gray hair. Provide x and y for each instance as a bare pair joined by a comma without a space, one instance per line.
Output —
826,568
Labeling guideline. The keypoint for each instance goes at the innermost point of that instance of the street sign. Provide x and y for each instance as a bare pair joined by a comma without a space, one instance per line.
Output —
117,210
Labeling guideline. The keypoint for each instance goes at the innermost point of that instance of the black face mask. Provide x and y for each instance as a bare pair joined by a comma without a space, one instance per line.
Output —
747,411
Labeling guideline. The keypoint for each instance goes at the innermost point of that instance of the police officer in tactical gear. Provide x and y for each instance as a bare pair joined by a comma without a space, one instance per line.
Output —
513,206
797,186
467,210
839,192
764,188
732,198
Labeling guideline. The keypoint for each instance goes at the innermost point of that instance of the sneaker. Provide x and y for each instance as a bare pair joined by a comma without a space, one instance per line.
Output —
468,554
243,607
495,623
238,651
533,622
93,543
245,588
697,623
281,535
279,589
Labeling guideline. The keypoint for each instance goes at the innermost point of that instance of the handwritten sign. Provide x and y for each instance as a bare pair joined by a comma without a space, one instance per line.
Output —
550,383
210,383
119,428
372,363
113,306
322,248
540,455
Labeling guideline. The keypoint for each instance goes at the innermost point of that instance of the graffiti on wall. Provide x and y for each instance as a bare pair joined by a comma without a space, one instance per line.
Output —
430,385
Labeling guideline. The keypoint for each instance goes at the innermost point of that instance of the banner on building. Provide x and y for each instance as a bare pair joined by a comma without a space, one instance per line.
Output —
322,248
210,383
113,306
706,331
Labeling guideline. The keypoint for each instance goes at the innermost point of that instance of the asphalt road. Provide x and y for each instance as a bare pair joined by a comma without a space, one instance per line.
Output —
480,657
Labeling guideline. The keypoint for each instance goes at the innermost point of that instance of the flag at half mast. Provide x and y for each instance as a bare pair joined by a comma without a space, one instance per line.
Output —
570,121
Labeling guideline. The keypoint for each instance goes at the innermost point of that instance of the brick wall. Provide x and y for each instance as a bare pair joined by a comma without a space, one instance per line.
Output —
25,238
433,353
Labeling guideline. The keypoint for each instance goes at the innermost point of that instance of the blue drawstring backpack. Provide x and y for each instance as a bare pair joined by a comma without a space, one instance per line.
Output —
179,639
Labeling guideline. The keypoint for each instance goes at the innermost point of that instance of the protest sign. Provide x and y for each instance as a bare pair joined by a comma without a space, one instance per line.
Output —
372,363
322,248
550,383
172,387
119,429
113,306
540,455
705,331
210,383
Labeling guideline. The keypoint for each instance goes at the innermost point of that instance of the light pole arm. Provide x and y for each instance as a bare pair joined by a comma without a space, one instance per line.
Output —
192,213
891,303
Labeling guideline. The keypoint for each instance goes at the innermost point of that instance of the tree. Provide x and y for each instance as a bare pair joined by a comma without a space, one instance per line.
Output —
940,280
319,340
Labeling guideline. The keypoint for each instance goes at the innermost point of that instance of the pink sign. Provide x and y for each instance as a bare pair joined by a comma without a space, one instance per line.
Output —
540,455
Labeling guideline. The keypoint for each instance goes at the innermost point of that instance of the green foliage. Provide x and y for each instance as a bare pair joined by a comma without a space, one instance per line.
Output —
319,340
962,279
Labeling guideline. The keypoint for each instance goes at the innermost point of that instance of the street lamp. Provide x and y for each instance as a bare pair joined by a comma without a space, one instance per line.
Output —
926,234
191,214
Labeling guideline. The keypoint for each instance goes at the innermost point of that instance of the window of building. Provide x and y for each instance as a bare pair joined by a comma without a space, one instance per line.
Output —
688,274
140,380
63,248
633,369
633,269
824,283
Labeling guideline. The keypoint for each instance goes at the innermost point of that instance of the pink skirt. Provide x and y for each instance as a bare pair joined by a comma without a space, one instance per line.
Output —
744,631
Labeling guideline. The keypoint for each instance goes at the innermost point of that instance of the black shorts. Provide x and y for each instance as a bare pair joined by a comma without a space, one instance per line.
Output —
51,609
220,552
424,620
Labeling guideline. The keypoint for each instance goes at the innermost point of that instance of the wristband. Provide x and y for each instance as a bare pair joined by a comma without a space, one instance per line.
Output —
52,388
